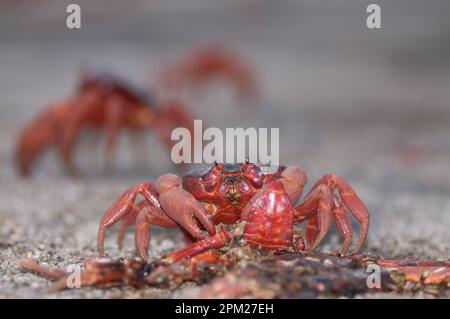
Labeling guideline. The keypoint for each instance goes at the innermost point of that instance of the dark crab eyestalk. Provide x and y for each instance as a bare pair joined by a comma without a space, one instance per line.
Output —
203,180
253,173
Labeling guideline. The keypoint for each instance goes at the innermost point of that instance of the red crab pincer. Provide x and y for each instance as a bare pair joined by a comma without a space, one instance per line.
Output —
254,202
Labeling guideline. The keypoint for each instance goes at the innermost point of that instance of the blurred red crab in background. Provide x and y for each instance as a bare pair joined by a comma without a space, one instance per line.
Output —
206,63
101,101
106,102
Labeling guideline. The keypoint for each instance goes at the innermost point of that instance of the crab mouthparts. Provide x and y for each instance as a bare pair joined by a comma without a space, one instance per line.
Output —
233,195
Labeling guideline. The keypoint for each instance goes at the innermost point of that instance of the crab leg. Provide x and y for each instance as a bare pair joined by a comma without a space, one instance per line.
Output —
40,134
29,264
147,216
217,241
343,224
97,272
72,128
60,276
115,111
429,272
352,201
318,200
128,220
342,221
122,206
312,229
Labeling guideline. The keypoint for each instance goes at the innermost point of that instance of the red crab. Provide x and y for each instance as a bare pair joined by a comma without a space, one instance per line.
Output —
254,202
208,62
101,101
254,205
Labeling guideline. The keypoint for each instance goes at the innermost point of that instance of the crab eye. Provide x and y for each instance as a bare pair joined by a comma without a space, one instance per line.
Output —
252,173
212,177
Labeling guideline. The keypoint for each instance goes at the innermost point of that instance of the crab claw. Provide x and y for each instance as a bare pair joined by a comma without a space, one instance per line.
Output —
182,207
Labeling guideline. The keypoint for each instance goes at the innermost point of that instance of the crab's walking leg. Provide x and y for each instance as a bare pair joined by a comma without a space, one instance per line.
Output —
85,103
122,206
40,134
60,276
115,107
343,224
428,272
128,220
31,265
217,241
318,200
97,272
347,198
353,203
147,216
312,229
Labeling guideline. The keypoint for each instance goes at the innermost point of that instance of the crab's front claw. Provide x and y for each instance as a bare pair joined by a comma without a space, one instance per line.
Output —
182,207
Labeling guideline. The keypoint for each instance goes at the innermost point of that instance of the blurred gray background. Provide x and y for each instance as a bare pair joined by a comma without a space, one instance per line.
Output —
370,105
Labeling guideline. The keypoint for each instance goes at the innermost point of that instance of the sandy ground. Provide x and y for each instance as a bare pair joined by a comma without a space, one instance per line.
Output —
372,107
